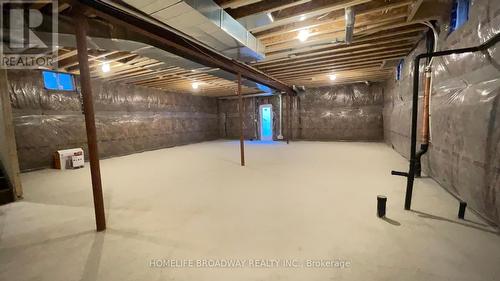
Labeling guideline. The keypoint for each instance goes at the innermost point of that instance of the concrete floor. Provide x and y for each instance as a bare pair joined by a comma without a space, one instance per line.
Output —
298,202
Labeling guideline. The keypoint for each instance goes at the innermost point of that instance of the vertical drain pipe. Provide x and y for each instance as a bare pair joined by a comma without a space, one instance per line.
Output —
242,142
289,118
414,116
426,102
425,122
280,136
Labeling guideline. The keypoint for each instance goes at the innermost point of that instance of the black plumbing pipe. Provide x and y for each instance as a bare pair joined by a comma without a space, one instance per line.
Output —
414,114
424,147
418,164
381,203
461,210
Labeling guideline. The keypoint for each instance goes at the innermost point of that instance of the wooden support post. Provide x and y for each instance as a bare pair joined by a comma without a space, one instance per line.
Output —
88,109
8,147
242,143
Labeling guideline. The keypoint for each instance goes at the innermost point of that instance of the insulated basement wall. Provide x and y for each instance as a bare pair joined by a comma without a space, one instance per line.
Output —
229,118
464,155
351,112
345,112
129,119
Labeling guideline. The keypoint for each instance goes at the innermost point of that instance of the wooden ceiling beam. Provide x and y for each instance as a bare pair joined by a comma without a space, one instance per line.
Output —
342,77
400,51
340,54
322,38
378,59
330,71
362,22
375,40
72,66
365,9
310,9
365,69
325,52
143,76
338,36
118,68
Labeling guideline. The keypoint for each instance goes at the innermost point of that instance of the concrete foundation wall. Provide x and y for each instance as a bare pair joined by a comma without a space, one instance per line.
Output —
129,119
464,154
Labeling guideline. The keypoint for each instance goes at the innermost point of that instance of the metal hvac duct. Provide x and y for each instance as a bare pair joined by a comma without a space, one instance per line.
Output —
208,23
350,18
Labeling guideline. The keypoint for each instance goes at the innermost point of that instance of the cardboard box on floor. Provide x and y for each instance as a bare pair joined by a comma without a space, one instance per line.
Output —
68,159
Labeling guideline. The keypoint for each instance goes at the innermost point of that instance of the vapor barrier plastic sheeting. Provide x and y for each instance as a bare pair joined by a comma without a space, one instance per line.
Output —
128,119
344,112
464,154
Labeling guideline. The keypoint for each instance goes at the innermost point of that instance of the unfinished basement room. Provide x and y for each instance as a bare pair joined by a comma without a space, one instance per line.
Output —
213,140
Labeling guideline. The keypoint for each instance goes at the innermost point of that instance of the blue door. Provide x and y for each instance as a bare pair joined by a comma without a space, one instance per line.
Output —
266,122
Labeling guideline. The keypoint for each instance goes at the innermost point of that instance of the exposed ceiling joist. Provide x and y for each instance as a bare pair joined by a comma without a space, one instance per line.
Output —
365,9
349,57
310,9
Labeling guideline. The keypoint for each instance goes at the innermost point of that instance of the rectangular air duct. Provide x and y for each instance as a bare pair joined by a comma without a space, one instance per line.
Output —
208,23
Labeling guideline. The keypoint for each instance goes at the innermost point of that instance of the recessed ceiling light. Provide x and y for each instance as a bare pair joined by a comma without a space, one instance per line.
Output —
303,35
302,17
332,77
105,67
195,85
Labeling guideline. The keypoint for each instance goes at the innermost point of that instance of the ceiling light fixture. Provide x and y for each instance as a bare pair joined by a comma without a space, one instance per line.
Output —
195,85
270,16
333,77
303,35
105,67
302,18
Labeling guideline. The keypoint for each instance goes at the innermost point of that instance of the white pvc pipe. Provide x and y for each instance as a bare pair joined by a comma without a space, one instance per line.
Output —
280,135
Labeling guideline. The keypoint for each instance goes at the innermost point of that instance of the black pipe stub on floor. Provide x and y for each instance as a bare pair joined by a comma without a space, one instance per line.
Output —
381,202
461,209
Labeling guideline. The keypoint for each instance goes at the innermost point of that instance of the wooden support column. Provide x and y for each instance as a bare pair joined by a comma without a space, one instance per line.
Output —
88,109
242,140
8,147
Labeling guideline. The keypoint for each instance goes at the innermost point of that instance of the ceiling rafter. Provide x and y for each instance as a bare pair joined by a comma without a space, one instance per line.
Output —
364,21
366,9
400,51
309,9
318,53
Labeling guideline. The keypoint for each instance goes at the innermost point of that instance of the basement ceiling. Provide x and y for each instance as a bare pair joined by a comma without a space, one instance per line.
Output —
384,32
131,68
